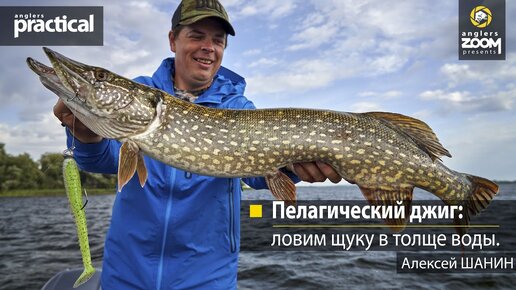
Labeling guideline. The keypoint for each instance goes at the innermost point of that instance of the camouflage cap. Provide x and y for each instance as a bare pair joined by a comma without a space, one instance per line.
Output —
191,11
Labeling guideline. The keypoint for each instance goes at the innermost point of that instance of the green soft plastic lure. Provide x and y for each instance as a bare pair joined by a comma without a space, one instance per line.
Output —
72,183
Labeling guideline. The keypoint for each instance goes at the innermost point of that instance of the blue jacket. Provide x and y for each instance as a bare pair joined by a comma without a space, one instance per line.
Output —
181,230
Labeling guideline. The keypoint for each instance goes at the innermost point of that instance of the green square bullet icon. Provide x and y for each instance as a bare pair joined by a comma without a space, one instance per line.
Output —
255,211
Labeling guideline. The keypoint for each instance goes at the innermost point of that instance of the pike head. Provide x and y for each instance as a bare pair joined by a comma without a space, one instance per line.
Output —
110,105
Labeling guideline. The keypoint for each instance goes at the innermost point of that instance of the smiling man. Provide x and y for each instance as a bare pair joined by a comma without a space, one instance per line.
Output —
199,48
181,230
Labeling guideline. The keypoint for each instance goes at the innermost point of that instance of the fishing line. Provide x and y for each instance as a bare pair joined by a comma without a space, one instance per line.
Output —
68,153
73,129
68,99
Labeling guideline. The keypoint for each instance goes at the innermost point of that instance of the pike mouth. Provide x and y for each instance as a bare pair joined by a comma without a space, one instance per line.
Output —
67,70
40,69
50,80
76,85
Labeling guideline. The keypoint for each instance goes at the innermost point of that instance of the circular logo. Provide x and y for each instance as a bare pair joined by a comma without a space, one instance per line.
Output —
481,16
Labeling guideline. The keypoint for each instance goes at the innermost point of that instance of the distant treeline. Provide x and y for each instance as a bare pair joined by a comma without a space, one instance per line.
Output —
21,172
504,181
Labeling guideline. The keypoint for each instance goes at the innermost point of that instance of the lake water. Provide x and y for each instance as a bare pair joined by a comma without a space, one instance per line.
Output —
37,240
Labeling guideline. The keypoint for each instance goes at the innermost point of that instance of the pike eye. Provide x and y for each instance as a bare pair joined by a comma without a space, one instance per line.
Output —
101,75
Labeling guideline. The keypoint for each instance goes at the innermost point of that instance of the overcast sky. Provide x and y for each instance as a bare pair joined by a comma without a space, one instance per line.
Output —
388,55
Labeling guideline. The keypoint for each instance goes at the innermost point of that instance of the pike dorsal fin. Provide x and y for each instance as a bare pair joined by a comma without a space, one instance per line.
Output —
417,130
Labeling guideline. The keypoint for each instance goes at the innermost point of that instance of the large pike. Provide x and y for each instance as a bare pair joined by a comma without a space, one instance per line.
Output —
385,154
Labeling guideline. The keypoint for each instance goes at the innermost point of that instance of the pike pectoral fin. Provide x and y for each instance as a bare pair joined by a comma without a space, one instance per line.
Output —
127,163
281,186
392,197
141,169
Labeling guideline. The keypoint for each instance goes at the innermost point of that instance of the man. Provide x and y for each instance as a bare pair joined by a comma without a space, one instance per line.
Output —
182,230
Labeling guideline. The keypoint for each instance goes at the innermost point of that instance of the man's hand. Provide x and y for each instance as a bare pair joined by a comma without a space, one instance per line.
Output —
79,130
315,172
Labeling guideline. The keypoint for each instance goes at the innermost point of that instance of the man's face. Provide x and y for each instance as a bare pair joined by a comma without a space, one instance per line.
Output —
198,49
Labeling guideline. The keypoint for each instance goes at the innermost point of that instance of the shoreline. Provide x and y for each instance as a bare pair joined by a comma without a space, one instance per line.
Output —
106,191
52,192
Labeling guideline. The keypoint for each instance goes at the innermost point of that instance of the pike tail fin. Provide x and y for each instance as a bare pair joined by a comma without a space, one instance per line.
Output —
85,276
481,193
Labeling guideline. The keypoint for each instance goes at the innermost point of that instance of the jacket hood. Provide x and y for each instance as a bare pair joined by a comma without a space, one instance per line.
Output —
225,83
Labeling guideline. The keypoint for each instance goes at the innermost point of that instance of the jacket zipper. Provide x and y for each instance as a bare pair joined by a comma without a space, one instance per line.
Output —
165,231
232,239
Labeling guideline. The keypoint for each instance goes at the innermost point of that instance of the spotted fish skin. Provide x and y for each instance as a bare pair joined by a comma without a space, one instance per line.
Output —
246,143
385,154
72,181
